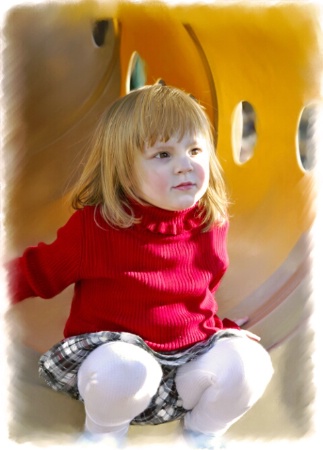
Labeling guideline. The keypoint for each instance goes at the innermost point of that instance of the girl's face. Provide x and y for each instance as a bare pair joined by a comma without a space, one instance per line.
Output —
173,175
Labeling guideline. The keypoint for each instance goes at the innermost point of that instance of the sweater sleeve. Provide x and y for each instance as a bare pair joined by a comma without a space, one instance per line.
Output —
47,269
227,323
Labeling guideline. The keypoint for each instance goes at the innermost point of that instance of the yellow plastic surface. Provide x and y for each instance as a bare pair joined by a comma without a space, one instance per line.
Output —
58,83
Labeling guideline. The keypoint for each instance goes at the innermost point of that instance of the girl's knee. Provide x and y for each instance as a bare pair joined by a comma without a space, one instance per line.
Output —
233,367
247,368
117,382
122,369
221,385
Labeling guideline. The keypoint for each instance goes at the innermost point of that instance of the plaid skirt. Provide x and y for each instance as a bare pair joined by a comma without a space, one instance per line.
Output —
59,367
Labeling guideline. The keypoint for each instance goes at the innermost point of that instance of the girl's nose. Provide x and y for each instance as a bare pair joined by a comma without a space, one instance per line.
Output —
184,165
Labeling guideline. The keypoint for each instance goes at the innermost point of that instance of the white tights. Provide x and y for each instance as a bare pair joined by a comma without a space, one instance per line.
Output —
117,381
221,385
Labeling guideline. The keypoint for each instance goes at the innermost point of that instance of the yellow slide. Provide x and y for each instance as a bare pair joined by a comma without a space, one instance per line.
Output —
256,66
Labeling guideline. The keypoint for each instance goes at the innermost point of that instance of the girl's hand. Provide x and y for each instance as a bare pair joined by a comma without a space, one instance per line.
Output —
251,335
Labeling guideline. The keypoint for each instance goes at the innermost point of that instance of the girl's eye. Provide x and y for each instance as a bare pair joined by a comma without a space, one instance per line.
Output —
195,151
162,155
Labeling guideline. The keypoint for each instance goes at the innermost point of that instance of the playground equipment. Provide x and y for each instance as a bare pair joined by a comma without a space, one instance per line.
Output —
249,63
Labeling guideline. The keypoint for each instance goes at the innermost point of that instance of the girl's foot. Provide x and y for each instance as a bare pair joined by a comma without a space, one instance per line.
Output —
203,441
110,440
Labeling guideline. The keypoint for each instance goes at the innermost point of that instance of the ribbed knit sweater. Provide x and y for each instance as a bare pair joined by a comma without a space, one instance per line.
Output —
156,279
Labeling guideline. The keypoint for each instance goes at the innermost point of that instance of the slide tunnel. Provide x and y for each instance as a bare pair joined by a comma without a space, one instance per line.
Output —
257,68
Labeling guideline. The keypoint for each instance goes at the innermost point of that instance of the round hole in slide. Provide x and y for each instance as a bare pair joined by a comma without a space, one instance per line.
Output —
99,32
244,133
307,139
136,76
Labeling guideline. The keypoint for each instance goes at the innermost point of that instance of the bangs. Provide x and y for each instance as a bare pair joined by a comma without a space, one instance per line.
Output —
163,113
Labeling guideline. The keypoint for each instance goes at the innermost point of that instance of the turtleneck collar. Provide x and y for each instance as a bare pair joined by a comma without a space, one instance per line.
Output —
162,221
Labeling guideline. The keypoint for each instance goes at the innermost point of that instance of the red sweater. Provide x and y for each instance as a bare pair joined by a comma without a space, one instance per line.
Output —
156,279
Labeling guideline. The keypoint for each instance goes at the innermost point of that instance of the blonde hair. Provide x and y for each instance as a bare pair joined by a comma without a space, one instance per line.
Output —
140,118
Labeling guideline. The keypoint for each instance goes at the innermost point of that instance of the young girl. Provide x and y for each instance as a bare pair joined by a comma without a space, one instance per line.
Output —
146,250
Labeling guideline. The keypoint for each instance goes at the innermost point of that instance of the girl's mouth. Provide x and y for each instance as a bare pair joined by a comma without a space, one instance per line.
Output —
184,186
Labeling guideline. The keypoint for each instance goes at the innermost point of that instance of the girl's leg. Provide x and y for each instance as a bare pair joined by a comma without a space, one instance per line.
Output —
117,381
221,385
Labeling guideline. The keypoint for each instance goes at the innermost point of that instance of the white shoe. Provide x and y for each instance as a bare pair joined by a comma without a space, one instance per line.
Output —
203,441
109,440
